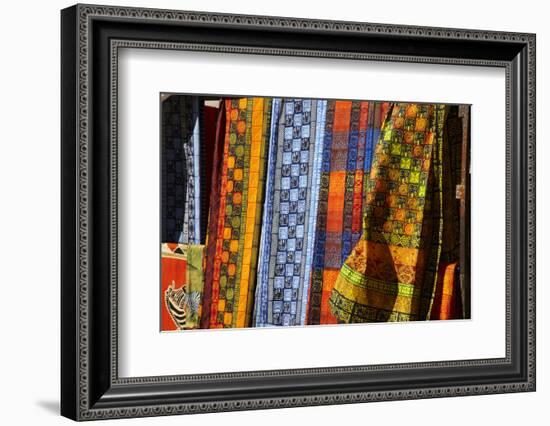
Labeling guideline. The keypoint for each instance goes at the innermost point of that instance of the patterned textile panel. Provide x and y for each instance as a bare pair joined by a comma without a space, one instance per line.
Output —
180,170
391,273
174,171
292,188
351,133
240,206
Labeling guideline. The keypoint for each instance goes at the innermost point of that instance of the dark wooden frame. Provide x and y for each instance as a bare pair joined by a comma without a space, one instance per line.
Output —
91,37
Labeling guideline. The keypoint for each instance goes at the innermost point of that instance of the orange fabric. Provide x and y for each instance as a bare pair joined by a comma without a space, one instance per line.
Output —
385,278
446,301
239,222
351,132
336,193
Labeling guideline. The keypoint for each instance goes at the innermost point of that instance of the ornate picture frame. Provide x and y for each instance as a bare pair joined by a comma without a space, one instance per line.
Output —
91,37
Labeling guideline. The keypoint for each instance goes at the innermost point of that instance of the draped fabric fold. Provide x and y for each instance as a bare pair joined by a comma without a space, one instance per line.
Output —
289,211
391,274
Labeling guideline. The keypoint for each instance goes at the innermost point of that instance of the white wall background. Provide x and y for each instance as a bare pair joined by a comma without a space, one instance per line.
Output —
29,212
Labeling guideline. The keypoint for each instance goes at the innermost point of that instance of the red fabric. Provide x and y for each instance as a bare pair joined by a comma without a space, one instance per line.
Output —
214,190
210,117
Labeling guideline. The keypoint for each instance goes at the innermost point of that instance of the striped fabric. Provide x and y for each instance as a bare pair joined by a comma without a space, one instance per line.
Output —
351,132
240,206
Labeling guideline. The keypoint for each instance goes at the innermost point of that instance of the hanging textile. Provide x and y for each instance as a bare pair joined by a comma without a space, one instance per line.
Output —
191,144
174,173
351,131
214,213
290,207
391,274
208,129
239,212
180,170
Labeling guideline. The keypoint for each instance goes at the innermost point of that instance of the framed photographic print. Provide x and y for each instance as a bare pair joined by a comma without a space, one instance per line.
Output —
263,212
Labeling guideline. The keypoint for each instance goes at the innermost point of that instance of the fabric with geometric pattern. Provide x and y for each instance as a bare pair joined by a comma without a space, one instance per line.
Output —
391,273
241,196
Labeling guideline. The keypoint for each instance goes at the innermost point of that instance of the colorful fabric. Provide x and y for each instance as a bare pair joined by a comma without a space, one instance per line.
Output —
180,170
240,205
289,212
391,274
319,212
261,296
351,132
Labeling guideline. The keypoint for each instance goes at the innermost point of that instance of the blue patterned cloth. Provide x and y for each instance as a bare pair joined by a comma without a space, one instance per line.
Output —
190,233
180,170
286,244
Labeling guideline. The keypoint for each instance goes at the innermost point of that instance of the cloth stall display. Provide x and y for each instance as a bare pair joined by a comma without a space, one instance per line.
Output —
298,212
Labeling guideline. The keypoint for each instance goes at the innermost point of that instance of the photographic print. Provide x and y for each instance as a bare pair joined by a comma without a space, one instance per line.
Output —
299,212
